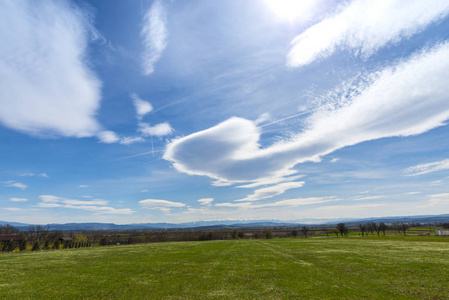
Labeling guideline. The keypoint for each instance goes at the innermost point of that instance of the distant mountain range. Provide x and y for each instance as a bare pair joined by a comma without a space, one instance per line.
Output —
235,223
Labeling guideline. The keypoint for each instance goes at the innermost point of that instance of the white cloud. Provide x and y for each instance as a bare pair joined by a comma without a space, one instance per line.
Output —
359,198
13,208
272,191
436,182
334,160
84,202
288,202
16,184
142,107
437,200
31,174
154,34
83,186
51,201
163,205
161,129
364,27
108,137
103,209
205,201
128,140
18,199
407,99
271,180
263,118
443,197
427,168
412,193
27,174
46,88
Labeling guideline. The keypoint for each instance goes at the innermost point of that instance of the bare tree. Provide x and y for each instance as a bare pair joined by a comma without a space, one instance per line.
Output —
268,233
378,229
362,229
8,229
341,227
294,233
305,230
404,227
383,227
371,227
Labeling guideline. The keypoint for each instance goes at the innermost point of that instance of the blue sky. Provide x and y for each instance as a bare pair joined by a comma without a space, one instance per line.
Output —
179,111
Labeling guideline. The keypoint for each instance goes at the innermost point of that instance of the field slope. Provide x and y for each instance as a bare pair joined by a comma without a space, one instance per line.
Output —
314,268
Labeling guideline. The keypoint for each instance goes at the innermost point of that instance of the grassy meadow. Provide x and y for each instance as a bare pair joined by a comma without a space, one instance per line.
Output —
313,268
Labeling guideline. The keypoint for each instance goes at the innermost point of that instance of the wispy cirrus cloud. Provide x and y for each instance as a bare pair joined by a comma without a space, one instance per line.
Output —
46,86
363,27
128,140
205,201
163,205
412,193
437,200
406,99
31,174
19,185
427,168
360,198
18,199
288,202
271,191
154,34
95,205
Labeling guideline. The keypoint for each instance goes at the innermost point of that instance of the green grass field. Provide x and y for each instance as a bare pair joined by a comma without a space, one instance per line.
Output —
313,268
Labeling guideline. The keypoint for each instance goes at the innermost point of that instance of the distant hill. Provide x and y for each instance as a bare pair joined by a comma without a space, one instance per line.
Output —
235,223
15,224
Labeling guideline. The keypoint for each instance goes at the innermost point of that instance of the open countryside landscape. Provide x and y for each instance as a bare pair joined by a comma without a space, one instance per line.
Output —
375,261
226,149
279,268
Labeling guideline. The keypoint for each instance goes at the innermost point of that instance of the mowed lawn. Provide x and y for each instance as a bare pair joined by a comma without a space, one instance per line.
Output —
313,268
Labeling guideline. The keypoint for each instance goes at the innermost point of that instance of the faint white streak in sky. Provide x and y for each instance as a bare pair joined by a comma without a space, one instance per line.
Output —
140,154
287,118
427,168
154,34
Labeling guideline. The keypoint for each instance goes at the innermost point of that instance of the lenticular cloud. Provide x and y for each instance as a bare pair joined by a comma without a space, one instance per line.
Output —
407,99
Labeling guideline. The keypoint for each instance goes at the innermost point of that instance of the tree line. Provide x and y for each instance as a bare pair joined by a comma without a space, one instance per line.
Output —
37,238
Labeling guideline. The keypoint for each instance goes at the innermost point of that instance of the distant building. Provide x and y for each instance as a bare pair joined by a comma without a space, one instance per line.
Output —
442,232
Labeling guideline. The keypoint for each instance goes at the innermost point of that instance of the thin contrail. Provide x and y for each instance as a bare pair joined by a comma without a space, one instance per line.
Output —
289,117
152,147
140,154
